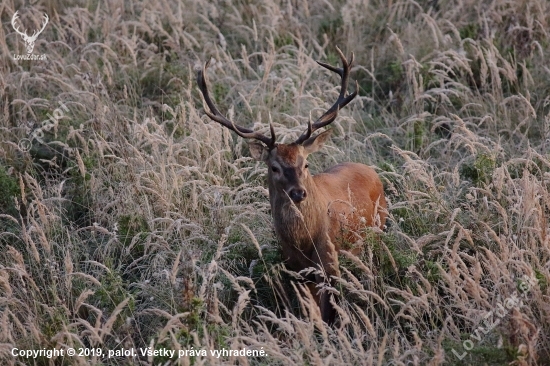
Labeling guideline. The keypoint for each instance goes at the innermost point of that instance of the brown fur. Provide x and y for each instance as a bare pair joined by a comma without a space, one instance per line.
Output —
340,202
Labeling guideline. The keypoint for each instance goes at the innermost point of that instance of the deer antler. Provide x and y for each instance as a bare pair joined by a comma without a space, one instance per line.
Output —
37,33
330,115
215,114
13,19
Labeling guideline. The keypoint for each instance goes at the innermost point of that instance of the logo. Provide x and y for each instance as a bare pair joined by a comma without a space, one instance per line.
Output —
53,121
29,40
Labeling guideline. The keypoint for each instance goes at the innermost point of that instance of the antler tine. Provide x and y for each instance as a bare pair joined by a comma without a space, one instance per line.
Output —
15,27
46,18
216,116
37,32
330,115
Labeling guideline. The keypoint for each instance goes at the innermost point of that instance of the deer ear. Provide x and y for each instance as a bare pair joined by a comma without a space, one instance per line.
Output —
315,143
258,151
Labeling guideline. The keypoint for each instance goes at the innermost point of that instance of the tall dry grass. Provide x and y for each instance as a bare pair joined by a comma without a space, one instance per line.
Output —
139,223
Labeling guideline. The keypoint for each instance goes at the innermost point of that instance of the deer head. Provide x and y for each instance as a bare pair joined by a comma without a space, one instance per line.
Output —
29,40
287,163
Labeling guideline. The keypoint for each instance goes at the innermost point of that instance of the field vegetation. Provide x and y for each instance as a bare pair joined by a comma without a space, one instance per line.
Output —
135,221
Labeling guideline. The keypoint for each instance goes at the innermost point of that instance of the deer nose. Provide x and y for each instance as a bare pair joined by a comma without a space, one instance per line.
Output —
298,194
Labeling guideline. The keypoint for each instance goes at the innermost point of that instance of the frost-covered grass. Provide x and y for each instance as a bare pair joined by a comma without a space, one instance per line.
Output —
140,223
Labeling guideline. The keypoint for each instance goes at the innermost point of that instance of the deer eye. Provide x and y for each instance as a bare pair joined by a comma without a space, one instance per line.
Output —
274,169
306,166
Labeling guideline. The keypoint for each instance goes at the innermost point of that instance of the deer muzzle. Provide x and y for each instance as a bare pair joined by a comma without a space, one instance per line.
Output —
297,194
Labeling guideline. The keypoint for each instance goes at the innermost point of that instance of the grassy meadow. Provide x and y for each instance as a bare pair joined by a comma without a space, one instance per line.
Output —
132,221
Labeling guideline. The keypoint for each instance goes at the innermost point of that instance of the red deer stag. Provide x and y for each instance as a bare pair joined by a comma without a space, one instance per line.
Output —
313,214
